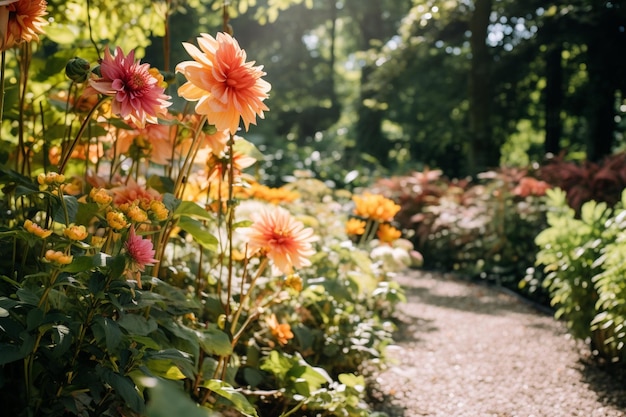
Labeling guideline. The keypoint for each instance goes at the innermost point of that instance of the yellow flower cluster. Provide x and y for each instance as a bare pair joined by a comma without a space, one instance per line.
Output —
36,230
58,257
116,220
375,207
100,196
51,178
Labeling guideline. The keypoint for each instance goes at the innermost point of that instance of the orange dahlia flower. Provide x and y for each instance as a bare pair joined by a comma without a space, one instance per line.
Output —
226,87
21,21
137,95
283,239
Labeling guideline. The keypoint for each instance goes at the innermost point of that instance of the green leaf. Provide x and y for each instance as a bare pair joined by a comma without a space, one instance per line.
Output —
193,210
161,184
34,319
227,391
71,205
168,399
107,329
199,233
123,386
136,324
11,353
80,264
214,341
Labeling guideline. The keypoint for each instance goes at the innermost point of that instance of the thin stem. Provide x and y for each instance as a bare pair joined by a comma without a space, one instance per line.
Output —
245,296
83,126
2,65
95,45
230,219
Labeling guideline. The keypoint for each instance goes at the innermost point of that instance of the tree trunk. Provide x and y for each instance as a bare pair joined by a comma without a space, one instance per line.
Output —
369,132
553,100
482,151
601,97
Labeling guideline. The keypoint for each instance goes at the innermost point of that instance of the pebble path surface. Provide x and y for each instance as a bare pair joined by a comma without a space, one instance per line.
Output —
465,349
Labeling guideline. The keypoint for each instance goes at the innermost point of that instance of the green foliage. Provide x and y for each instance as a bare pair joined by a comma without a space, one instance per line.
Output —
583,274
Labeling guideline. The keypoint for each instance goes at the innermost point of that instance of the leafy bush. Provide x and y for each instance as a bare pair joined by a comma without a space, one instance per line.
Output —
484,229
587,181
583,261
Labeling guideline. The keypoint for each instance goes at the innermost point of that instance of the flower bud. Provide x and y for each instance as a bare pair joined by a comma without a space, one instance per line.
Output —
77,69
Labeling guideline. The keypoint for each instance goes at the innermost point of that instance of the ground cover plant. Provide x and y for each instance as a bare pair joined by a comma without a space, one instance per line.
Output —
147,272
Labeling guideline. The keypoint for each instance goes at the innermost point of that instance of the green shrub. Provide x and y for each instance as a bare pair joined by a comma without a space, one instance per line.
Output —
582,257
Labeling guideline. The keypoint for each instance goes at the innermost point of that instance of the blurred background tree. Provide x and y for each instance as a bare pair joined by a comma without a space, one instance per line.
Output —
365,88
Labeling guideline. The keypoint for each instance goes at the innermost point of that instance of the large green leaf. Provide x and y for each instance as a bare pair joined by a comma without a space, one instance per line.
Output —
137,324
199,232
193,210
214,341
227,391
123,386
167,399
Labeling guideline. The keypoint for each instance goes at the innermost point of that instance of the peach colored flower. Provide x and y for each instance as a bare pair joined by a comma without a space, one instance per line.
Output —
140,251
281,331
25,21
226,87
282,238
137,95
134,193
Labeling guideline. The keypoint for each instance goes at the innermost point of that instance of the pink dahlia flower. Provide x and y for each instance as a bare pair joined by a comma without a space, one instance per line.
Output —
140,251
225,86
137,94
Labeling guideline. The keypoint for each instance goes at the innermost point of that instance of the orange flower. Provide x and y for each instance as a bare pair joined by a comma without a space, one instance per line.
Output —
355,227
25,21
226,87
387,233
375,207
58,257
36,230
282,238
281,331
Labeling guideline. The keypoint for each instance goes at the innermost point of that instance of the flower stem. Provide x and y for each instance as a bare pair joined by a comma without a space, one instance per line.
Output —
68,154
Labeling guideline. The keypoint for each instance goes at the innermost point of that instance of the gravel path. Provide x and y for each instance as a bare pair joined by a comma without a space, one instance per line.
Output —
468,350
